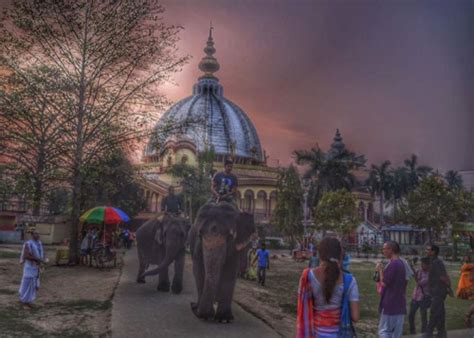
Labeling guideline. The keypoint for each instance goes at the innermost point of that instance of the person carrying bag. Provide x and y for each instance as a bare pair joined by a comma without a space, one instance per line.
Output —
328,299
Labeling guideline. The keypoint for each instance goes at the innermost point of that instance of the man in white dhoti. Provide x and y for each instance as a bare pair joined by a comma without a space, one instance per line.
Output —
32,255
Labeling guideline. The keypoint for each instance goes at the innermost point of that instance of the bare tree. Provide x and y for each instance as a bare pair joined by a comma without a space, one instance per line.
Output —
30,128
114,54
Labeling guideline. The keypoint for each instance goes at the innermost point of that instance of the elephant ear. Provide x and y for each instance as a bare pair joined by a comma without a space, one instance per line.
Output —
159,233
245,229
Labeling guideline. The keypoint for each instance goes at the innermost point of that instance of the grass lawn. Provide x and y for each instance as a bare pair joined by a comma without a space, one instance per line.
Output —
278,297
9,254
455,308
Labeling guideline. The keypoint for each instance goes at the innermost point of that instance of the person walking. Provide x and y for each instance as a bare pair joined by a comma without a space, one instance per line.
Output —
421,298
86,246
392,307
439,286
32,255
252,268
328,298
263,258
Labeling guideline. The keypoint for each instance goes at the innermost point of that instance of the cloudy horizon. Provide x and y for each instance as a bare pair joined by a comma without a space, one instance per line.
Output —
395,77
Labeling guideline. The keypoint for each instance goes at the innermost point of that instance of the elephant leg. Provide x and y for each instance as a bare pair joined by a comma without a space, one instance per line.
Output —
177,285
198,272
141,268
163,281
226,290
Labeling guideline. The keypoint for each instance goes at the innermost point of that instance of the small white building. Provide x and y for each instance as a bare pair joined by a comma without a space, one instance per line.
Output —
368,233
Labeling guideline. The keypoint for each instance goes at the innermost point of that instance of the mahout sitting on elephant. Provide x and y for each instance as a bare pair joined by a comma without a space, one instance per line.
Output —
161,242
217,239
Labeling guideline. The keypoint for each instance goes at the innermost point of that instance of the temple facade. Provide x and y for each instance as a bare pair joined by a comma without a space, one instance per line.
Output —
209,121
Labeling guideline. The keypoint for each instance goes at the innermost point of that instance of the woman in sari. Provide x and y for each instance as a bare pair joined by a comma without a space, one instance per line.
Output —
465,288
328,298
252,264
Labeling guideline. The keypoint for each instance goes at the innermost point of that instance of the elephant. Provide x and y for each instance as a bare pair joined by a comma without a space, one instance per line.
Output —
217,239
160,242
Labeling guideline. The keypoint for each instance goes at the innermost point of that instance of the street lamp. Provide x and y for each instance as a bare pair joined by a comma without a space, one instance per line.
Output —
306,184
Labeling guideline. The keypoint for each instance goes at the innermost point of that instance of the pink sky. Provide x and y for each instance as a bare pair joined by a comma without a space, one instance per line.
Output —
396,78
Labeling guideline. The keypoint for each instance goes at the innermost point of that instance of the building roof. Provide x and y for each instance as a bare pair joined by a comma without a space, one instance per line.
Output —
210,120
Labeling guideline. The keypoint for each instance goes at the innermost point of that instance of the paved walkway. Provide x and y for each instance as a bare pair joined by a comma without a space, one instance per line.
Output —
140,311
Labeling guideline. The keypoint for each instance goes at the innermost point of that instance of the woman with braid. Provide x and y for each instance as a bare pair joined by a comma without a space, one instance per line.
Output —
328,298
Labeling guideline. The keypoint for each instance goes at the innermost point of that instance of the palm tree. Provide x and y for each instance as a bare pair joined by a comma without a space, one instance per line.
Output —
330,173
399,186
379,184
415,172
453,179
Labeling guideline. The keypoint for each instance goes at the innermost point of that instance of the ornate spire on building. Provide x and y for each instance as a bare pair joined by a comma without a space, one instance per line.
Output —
209,64
337,146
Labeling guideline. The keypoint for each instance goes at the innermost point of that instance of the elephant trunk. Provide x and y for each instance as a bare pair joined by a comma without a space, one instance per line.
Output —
171,254
214,255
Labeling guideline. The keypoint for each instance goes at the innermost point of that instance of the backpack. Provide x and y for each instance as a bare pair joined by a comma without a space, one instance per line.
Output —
346,329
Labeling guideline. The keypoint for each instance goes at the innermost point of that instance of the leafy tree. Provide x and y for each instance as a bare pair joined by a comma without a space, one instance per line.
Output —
433,205
337,211
288,211
112,181
113,55
379,184
196,181
329,171
58,200
31,127
398,188
415,172
454,179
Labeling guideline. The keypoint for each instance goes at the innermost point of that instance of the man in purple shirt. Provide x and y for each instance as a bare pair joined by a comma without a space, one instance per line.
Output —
392,307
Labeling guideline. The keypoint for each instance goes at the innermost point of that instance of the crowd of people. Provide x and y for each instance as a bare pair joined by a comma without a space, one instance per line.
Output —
327,291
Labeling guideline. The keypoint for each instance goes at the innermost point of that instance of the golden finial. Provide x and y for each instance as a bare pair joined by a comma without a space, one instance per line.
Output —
209,64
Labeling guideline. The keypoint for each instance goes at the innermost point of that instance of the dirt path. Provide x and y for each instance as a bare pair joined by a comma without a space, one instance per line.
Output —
140,311
72,301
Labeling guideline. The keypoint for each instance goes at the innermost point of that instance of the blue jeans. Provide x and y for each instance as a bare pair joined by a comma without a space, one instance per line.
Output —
391,326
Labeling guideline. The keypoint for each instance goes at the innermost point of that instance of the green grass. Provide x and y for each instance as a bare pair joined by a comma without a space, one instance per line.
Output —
15,321
283,284
80,305
9,254
369,299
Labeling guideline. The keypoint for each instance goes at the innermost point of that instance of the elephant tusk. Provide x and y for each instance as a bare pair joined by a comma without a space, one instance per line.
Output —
151,272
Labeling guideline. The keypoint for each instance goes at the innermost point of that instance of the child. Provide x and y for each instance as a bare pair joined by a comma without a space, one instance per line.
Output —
263,263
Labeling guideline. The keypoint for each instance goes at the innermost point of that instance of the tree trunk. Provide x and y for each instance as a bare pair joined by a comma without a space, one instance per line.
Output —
38,182
394,209
381,209
37,196
77,172
75,215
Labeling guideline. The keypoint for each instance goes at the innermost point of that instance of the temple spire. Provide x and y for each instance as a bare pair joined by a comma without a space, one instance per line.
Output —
337,146
209,64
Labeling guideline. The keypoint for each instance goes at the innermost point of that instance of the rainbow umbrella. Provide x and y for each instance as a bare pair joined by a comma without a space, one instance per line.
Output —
104,215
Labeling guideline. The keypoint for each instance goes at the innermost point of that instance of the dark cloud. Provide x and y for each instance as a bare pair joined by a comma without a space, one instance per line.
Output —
395,76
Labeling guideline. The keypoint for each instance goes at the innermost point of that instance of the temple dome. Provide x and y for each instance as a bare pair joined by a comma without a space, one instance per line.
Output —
214,120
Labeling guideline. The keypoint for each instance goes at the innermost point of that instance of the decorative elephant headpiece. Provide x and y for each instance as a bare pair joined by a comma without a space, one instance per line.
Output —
224,220
178,225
